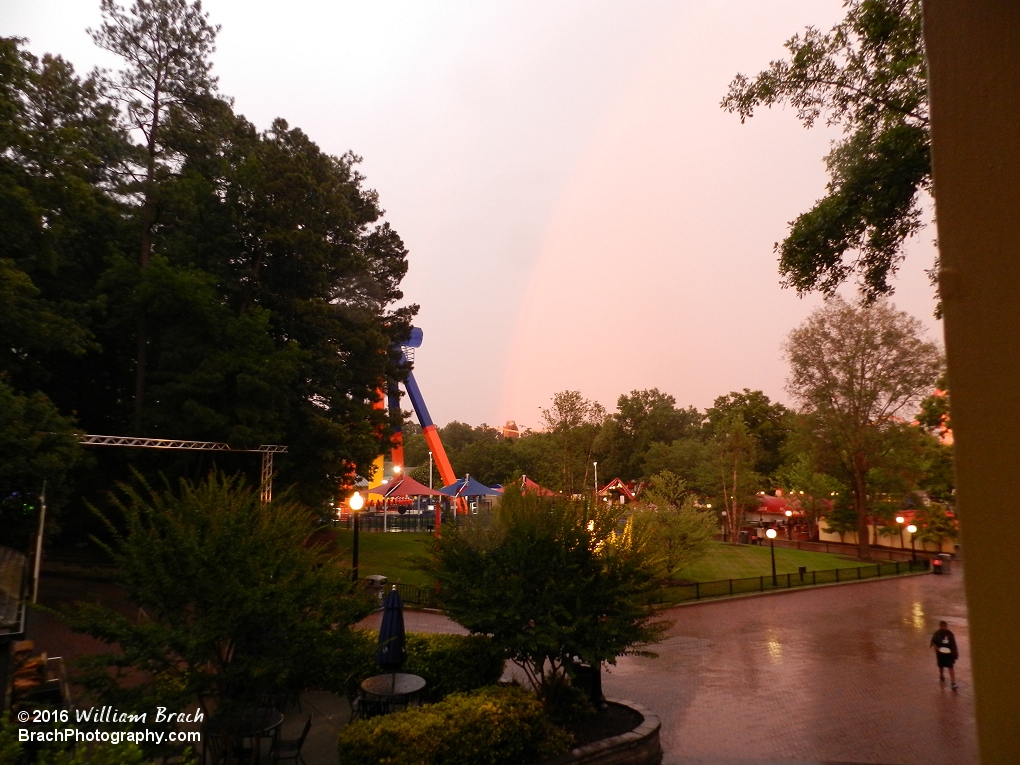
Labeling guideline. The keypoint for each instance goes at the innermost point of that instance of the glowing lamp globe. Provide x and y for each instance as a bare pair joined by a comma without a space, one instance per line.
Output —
789,513
770,533
356,502
912,528
900,519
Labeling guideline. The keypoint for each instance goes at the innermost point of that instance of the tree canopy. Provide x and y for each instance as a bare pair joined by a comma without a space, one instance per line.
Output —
856,371
239,600
169,270
868,75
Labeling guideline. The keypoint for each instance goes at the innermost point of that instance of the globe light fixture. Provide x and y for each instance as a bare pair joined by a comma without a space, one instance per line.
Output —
355,503
771,534
789,528
913,551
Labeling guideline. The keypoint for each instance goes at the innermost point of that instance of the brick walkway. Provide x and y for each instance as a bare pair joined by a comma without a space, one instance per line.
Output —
838,674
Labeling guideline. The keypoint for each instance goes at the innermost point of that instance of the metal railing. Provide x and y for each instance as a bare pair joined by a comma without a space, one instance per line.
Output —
723,588
425,597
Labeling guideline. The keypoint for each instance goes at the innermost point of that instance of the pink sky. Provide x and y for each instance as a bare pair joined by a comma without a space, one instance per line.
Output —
579,212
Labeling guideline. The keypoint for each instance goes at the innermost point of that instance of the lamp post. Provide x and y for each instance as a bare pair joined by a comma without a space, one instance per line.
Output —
430,470
899,520
789,531
912,529
356,502
771,534
596,464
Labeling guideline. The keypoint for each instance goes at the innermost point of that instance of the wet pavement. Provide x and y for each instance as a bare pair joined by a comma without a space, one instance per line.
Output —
835,674
830,674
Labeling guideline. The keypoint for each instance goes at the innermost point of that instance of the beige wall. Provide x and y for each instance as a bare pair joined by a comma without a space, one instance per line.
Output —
974,70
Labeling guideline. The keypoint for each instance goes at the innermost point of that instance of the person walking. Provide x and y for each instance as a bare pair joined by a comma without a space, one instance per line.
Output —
946,653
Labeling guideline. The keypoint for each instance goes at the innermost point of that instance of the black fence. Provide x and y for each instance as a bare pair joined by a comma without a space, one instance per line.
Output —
682,593
373,522
425,597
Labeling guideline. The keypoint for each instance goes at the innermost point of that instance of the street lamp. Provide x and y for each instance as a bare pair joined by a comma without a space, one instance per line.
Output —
596,464
771,534
899,520
789,531
430,470
356,502
913,552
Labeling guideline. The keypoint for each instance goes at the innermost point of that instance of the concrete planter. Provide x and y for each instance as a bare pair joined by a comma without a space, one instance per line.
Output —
637,747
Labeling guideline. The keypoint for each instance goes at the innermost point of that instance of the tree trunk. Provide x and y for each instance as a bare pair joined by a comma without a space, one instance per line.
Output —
860,491
148,219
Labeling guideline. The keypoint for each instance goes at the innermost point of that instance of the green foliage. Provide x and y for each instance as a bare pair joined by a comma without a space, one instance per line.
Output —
36,445
685,458
770,424
573,424
935,524
123,753
855,370
642,418
842,517
449,663
549,580
730,458
235,600
677,532
493,726
258,310
868,74
809,490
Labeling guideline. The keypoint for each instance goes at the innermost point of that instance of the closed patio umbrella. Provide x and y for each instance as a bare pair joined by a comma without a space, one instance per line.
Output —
392,650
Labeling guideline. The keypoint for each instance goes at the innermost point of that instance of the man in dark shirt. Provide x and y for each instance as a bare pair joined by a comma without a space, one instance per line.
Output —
944,643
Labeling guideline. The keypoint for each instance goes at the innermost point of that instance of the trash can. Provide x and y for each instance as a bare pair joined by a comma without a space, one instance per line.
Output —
802,570
375,584
588,678
742,537
943,563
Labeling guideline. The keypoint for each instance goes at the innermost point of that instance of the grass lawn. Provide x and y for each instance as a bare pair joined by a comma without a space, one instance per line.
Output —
388,554
727,561
391,555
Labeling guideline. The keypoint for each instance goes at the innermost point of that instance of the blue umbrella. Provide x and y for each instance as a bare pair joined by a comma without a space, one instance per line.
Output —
468,487
392,641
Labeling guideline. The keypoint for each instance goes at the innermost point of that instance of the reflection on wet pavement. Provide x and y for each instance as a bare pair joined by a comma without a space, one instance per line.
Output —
838,673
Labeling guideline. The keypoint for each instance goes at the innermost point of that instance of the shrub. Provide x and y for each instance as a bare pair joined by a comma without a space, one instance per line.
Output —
449,663
550,580
497,725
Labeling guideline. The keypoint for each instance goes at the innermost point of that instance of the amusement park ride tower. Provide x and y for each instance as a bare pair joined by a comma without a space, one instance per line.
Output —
392,399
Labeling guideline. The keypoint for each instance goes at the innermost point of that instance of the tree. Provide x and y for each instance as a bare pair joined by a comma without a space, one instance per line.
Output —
37,446
238,600
166,45
808,490
770,424
549,580
642,418
935,524
678,533
730,457
868,75
573,423
853,370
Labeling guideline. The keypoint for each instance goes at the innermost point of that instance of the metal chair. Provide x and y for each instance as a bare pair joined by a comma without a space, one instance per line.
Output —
290,749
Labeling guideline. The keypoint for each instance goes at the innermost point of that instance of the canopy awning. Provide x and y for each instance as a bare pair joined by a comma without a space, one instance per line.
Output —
403,487
468,487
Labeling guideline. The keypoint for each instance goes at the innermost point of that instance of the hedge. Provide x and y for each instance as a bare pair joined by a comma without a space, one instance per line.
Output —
497,725
449,663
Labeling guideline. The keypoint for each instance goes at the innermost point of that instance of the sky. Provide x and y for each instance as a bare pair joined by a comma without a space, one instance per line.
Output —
579,212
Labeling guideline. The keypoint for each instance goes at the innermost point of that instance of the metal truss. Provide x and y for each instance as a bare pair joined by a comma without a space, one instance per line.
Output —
266,450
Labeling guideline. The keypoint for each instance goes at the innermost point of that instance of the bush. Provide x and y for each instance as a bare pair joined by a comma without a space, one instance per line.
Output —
449,663
498,725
